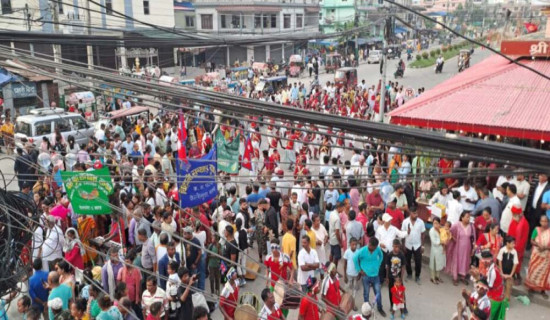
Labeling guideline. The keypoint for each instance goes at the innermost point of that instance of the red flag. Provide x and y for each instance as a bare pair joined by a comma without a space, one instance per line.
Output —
182,136
247,157
531,27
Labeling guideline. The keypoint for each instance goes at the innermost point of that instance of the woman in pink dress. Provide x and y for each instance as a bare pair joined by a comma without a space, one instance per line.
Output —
459,249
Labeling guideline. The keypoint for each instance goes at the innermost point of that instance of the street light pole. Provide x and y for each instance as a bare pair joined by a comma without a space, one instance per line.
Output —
384,61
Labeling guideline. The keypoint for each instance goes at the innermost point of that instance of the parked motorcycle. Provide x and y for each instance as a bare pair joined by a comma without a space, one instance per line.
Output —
398,73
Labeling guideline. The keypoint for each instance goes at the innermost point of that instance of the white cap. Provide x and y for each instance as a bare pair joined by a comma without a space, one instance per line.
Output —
386,217
366,309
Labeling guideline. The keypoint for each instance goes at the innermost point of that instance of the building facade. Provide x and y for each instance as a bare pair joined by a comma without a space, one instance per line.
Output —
335,14
184,15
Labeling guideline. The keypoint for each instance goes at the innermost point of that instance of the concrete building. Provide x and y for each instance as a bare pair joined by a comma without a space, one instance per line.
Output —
73,15
335,13
249,18
184,15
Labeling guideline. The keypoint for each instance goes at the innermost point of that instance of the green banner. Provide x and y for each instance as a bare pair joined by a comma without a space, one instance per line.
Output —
89,192
228,153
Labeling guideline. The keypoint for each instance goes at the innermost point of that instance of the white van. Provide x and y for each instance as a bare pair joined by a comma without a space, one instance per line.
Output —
42,122
374,56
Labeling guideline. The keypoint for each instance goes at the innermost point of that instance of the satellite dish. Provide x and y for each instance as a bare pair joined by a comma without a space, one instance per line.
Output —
44,160
70,160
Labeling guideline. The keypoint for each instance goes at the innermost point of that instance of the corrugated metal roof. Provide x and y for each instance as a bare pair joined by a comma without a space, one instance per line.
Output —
492,97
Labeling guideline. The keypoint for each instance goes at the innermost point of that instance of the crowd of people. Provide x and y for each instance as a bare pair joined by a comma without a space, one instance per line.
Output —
318,205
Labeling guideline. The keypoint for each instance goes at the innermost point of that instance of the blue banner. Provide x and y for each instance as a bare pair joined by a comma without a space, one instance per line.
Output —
197,180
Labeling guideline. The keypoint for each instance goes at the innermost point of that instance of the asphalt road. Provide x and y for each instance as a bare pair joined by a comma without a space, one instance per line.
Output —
425,301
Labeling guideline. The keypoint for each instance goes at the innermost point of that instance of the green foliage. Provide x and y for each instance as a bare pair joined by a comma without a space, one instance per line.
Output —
444,49
418,57
425,55
438,51
432,53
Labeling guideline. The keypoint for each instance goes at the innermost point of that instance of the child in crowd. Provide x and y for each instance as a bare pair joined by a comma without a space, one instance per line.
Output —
445,233
172,289
508,262
398,298
155,311
351,275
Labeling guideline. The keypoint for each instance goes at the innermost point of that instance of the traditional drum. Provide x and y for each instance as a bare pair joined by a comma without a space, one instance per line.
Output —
246,312
248,298
347,303
251,266
286,297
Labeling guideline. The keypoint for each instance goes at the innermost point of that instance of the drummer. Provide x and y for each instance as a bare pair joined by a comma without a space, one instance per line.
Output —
366,313
229,296
278,266
330,290
270,310
309,307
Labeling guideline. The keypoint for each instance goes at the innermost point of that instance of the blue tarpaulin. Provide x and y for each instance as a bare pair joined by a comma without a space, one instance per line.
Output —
6,77
399,29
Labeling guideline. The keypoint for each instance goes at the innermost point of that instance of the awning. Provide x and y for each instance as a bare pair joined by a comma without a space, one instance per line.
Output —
127,112
312,9
5,77
494,97
399,29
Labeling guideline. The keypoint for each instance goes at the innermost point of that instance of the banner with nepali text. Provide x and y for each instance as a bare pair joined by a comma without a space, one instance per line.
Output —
197,180
228,153
89,191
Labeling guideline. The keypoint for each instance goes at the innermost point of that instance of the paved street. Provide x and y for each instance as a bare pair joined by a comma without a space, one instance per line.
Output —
425,301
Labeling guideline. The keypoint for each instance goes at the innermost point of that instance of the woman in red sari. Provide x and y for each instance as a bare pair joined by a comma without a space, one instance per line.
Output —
73,249
538,274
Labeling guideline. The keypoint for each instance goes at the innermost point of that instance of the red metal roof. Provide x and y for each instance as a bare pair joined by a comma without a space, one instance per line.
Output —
492,97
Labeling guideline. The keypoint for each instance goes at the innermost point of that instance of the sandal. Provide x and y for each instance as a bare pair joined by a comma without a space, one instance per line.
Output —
544,295
455,283
439,280
434,281
466,282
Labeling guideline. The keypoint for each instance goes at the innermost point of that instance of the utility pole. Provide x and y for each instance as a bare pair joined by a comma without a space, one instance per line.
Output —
356,24
27,17
385,35
55,17
89,48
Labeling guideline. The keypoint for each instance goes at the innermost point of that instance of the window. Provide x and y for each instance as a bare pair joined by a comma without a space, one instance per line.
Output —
43,128
79,123
236,21
62,124
24,128
286,21
109,6
189,21
273,21
146,9
266,21
60,7
299,20
6,7
223,21
207,21
257,21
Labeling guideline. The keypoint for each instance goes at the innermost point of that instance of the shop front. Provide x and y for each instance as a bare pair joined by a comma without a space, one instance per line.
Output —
20,97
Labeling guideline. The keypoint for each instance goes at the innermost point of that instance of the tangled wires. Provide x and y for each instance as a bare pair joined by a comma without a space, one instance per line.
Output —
18,218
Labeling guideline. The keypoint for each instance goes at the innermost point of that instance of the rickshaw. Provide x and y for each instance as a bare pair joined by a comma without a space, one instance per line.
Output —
345,77
333,62
238,75
296,64
463,60
271,85
260,67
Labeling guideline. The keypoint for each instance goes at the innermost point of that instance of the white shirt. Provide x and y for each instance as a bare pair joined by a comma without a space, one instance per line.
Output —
265,312
53,245
100,135
469,194
300,191
454,210
306,258
160,197
523,188
506,217
147,300
414,240
538,192
386,236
